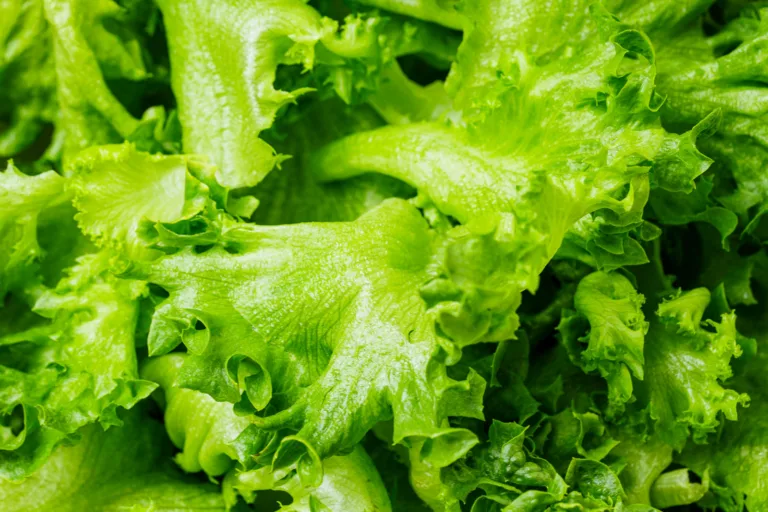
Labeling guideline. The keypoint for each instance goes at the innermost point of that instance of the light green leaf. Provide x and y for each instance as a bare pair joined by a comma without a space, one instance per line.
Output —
119,469
117,187
77,372
223,76
609,319
443,12
26,204
349,482
539,147
358,344
686,362
675,488
86,53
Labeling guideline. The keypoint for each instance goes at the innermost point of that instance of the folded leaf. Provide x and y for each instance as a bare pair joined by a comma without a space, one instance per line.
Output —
122,468
547,99
686,362
117,187
357,346
609,319
350,482
27,203
223,76
78,371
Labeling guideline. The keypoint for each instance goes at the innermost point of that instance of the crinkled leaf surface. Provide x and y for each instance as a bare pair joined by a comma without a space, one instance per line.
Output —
78,371
357,346
124,468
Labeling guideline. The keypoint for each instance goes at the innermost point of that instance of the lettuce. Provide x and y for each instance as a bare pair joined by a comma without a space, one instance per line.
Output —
374,255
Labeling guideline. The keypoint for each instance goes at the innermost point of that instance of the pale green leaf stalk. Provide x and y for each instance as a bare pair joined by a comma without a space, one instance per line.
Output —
224,58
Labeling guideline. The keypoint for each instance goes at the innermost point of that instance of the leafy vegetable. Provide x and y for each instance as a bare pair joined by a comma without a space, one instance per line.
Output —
383,255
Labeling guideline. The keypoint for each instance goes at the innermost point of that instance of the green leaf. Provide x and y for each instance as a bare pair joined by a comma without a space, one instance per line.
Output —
610,321
675,488
89,50
116,188
27,77
362,61
293,194
537,148
210,435
122,468
594,479
500,466
700,73
443,12
677,209
686,362
736,463
358,344
575,434
349,482
223,75
643,459
79,372
660,18
27,203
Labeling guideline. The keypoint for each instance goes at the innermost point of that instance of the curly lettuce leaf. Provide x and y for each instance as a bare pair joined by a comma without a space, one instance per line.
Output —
596,242
358,61
700,73
686,362
92,44
27,78
79,370
210,435
27,205
350,482
502,467
736,463
502,474
675,209
357,346
223,76
526,187
572,434
124,468
116,188
610,321
212,438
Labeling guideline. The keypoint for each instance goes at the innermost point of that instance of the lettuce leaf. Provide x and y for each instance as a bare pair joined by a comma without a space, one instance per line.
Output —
27,78
86,54
575,151
79,370
615,334
318,368
122,468
213,438
28,204
231,93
